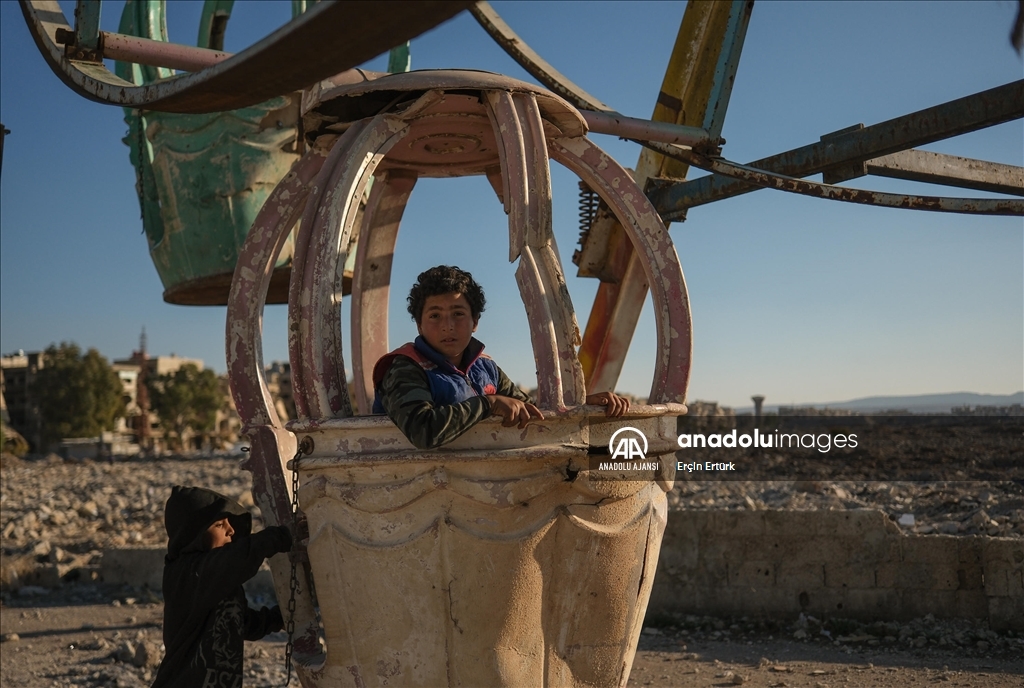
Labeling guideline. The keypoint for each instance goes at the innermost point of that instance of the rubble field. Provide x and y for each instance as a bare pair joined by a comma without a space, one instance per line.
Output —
61,515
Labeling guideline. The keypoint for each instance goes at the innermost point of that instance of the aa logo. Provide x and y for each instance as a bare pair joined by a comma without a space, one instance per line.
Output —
627,446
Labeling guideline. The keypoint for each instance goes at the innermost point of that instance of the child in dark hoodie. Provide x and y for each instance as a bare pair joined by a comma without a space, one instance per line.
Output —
210,553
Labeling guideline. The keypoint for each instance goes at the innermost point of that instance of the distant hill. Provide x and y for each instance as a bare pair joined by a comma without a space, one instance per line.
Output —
920,403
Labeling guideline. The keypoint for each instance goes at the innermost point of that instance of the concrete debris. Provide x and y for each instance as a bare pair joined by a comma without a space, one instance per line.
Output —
921,508
58,517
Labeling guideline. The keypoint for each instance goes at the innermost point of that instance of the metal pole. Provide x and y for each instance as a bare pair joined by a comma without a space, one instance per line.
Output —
4,131
646,130
118,46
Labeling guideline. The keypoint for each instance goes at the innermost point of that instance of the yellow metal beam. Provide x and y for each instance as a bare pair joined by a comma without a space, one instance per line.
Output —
694,92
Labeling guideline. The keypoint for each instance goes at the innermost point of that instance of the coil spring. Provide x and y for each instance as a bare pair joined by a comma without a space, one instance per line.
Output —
588,209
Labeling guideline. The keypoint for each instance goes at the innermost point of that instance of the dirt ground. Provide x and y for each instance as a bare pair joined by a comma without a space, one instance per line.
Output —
78,636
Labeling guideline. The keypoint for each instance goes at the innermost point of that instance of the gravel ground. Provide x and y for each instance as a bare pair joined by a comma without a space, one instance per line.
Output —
61,516
91,635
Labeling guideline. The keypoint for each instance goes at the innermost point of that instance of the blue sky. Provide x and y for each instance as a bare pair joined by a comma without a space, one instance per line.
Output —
799,299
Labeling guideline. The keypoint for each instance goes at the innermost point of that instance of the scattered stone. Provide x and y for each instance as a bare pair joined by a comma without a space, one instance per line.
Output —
147,654
89,510
10,638
32,590
99,505
906,520
125,652
979,519
937,507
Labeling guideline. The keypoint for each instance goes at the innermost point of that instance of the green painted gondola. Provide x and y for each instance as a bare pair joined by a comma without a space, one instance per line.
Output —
202,178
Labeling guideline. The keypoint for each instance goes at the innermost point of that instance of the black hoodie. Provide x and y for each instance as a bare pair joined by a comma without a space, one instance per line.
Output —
206,617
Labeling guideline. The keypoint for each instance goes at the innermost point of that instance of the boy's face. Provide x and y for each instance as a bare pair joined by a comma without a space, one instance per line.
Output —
219,533
447,324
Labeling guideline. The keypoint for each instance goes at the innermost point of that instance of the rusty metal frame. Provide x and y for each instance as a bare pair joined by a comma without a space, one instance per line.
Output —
530,60
599,117
951,170
371,278
329,38
765,179
318,371
615,124
118,46
622,292
270,443
87,25
709,41
518,126
660,267
978,111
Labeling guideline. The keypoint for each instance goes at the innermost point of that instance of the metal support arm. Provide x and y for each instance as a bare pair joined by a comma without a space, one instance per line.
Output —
762,178
985,109
951,170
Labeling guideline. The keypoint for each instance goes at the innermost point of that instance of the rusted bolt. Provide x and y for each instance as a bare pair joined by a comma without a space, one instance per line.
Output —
65,37
306,445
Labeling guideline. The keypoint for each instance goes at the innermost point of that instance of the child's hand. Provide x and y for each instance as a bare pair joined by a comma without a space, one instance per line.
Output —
614,405
513,411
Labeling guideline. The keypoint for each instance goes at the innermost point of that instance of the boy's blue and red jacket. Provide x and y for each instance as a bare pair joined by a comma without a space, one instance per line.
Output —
448,384
431,401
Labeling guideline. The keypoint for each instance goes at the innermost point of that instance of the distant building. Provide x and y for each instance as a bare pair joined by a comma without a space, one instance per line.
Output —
814,411
228,423
159,365
279,384
139,429
129,376
139,420
19,372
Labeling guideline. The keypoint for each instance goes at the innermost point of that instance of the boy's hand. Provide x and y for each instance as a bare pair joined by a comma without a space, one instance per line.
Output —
614,405
513,411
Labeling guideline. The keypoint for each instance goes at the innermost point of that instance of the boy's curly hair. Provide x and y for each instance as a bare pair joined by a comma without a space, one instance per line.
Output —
445,279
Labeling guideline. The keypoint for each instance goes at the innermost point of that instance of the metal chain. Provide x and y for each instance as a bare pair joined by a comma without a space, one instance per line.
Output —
293,582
